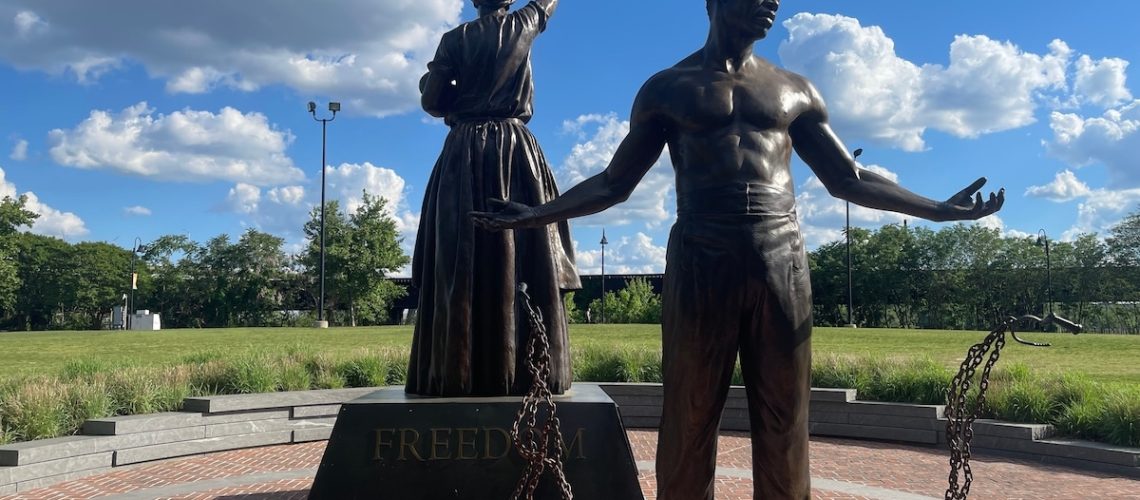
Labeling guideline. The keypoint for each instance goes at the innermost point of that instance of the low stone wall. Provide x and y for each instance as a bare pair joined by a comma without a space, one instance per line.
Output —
219,423
836,413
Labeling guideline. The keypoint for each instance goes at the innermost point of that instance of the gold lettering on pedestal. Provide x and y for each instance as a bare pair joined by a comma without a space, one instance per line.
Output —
436,442
382,443
568,450
465,444
487,455
406,444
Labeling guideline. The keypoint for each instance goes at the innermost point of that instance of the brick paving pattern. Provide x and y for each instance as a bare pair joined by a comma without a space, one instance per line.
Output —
845,465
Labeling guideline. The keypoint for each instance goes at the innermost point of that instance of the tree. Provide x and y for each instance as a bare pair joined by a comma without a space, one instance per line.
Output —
167,281
238,280
361,249
13,215
573,314
257,265
42,267
1124,241
98,274
636,303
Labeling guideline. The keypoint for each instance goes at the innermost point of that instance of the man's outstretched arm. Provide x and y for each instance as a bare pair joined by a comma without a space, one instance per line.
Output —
818,146
634,157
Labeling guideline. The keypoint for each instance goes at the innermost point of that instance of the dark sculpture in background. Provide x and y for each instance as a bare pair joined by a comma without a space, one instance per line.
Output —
469,333
736,278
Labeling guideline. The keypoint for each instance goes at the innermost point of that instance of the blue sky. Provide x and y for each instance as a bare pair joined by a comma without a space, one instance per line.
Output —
136,118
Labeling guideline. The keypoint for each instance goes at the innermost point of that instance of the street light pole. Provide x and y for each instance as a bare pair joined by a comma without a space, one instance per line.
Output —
333,107
850,294
604,242
1043,240
138,248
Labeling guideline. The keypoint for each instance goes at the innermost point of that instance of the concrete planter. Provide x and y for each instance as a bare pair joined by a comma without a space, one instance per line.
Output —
220,423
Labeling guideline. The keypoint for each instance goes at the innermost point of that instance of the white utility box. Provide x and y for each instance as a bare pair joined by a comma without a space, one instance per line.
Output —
144,320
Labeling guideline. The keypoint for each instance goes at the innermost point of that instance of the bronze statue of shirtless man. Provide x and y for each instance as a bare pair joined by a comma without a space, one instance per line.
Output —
736,277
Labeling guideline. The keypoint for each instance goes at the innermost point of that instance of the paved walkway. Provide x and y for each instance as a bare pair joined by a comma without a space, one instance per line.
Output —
841,469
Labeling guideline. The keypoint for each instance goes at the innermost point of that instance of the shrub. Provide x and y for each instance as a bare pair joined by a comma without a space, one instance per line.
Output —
294,376
89,400
636,303
134,391
173,387
251,374
36,409
364,371
1081,418
43,407
209,378
598,364
1121,422
324,372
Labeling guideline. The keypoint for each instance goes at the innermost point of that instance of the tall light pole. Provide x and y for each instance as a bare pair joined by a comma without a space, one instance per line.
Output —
850,294
138,248
604,242
333,107
1043,240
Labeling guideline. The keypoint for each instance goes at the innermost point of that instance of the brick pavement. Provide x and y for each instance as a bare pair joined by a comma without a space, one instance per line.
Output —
841,469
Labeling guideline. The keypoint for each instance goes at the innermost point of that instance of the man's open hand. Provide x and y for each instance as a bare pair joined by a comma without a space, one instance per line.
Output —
968,204
508,215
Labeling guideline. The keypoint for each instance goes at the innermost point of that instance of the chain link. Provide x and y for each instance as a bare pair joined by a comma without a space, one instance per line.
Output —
541,449
960,418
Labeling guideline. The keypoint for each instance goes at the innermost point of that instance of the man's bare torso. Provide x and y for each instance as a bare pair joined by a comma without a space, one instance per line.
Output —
728,132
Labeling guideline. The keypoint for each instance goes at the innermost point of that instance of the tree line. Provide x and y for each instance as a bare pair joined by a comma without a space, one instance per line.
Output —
47,283
970,277
956,277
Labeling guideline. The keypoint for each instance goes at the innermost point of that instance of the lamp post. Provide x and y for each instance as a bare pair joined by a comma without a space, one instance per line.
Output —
1043,241
604,242
138,248
333,107
850,294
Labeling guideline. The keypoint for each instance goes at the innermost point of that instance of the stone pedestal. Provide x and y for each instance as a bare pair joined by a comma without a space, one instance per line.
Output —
389,445
320,324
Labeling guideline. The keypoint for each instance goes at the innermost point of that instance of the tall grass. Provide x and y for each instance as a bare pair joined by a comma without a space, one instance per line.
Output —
37,407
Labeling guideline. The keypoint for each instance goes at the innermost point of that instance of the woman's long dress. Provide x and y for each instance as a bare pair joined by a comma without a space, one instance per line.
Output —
471,334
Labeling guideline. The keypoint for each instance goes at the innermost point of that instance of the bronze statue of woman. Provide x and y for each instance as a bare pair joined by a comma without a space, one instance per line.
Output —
469,330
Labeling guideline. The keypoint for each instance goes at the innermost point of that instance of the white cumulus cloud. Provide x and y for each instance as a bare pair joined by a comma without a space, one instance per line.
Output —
349,180
187,145
652,202
1112,139
1102,209
51,221
637,254
285,209
137,210
27,23
19,151
1065,187
1101,82
281,209
873,94
369,53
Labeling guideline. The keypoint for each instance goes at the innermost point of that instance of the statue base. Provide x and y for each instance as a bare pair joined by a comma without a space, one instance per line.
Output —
391,445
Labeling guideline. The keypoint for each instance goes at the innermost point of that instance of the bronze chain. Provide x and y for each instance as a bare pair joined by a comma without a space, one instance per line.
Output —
541,449
959,421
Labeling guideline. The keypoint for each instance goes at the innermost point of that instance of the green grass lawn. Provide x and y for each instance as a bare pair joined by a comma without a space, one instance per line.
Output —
1107,358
